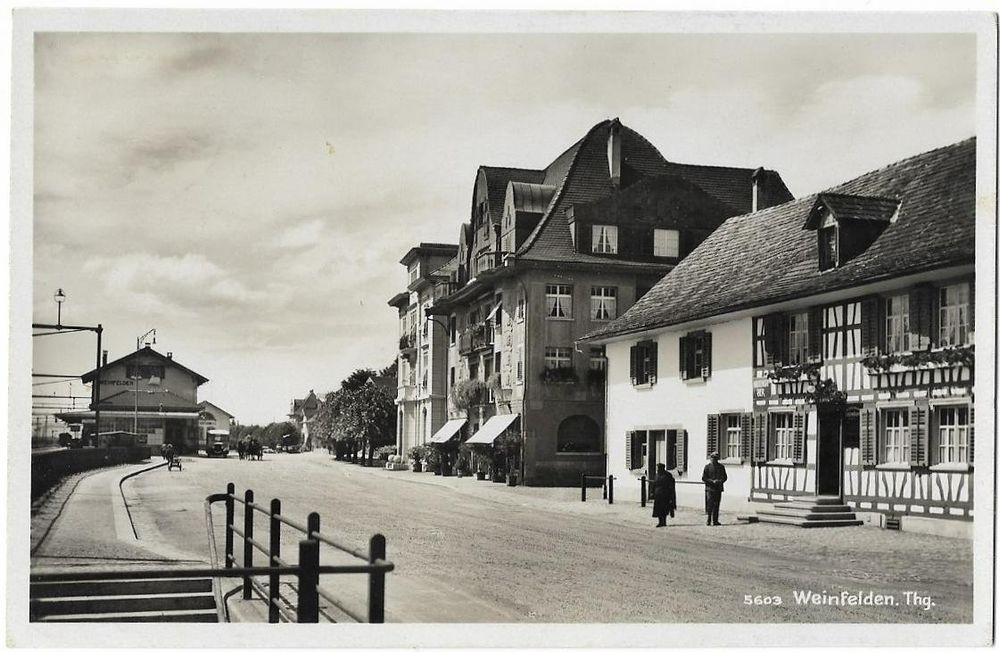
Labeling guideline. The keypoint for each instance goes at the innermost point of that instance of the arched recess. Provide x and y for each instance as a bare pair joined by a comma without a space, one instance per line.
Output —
579,434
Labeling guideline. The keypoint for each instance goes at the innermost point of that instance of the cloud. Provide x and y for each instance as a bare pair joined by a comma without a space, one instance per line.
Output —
305,234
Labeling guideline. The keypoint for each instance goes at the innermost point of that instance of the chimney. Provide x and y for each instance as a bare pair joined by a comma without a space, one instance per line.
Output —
615,153
170,355
148,345
759,188
104,358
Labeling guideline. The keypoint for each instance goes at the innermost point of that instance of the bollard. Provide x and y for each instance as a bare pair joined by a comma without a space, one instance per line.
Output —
604,490
642,491
308,607
583,487
247,535
611,490
274,552
230,492
312,524
376,581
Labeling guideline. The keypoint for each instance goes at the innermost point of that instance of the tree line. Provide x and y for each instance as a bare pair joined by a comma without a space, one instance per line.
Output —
360,417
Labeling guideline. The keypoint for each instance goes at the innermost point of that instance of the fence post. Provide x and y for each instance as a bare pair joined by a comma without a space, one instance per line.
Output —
247,535
604,489
308,609
376,581
274,530
583,487
230,492
611,490
642,491
312,524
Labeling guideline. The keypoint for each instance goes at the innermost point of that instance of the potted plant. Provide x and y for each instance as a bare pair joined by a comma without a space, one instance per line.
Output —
462,463
432,459
416,455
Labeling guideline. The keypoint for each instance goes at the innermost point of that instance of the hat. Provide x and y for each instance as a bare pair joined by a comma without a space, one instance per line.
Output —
661,465
714,455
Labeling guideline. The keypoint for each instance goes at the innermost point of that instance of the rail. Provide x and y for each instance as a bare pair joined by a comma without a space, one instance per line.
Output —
644,490
309,568
607,483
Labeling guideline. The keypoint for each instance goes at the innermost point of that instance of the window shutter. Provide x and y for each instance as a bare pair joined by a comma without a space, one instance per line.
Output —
816,334
918,436
775,339
972,434
680,444
706,369
921,318
868,439
870,326
633,354
683,346
652,362
760,437
712,439
799,440
746,425
629,458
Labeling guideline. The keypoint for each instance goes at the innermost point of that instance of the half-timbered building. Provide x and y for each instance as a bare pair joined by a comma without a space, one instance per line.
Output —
824,347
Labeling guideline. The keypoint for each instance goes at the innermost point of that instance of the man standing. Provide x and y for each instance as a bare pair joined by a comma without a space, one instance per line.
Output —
714,476
664,495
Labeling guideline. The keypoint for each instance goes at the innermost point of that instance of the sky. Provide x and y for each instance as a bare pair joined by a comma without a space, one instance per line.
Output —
249,196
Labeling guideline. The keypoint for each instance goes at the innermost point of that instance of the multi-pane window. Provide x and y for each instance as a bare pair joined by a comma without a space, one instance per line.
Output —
414,270
897,323
643,362
452,327
603,303
953,434
519,311
559,301
733,434
520,364
605,239
828,247
558,357
666,243
784,435
598,361
144,371
896,435
953,315
798,338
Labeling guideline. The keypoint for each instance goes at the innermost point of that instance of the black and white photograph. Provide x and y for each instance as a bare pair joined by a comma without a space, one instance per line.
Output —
478,329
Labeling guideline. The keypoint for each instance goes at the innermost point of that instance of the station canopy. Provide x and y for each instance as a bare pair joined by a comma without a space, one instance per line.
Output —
492,429
447,431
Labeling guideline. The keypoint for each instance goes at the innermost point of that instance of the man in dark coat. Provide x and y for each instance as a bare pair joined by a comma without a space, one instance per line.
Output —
664,495
714,477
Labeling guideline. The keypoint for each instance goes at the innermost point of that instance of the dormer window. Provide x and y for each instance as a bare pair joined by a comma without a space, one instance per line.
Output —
604,239
846,225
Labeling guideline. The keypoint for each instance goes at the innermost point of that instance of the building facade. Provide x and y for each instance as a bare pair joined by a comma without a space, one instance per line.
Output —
548,255
212,417
303,413
824,347
147,393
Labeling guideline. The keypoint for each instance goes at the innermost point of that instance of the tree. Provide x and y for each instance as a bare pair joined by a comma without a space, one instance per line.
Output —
357,379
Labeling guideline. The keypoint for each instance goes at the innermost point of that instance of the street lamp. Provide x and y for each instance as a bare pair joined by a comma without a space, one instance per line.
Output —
137,376
59,296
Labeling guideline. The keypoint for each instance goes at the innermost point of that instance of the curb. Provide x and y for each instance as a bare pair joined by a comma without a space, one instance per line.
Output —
121,492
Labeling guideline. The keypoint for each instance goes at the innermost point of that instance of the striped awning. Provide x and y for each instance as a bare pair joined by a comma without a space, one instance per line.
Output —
447,431
492,429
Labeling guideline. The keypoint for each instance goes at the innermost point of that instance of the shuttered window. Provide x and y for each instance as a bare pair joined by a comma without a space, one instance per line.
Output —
816,334
798,338
642,363
953,315
760,437
868,437
871,325
712,435
921,318
897,323
953,434
783,435
695,355
746,424
919,437
799,438
895,436
774,339
680,448
634,443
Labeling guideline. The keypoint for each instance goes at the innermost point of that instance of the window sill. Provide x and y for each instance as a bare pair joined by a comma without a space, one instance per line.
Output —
644,386
699,380
893,466
732,461
787,461
952,466
558,318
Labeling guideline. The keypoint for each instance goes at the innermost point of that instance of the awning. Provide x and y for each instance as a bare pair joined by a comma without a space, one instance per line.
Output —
492,429
447,431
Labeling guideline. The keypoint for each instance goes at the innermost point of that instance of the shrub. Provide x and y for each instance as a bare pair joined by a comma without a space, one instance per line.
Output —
383,452
417,453
468,393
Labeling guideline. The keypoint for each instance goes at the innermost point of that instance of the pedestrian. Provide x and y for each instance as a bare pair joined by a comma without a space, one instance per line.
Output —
714,477
664,495
170,453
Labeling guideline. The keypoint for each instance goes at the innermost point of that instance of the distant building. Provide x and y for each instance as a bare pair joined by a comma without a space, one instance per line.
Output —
302,414
212,417
867,289
421,375
148,393
549,254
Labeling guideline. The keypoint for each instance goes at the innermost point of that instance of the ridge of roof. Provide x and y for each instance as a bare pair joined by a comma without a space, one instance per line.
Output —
87,377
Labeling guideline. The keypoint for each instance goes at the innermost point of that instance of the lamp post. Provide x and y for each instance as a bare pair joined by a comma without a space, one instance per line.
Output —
137,376
59,296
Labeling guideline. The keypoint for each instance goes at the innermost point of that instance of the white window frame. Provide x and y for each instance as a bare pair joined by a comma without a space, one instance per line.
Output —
895,448
952,438
603,303
798,338
604,239
953,315
784,435
666,243
733,431
897,323
558,301
558,357
598,358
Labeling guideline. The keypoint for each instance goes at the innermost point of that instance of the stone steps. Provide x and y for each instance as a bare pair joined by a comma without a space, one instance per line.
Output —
809,511
156,600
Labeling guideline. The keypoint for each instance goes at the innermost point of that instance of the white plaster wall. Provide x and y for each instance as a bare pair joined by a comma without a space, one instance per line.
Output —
673,403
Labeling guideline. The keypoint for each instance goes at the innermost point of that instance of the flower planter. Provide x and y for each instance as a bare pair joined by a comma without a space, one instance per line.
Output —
417,468
480,475
512,480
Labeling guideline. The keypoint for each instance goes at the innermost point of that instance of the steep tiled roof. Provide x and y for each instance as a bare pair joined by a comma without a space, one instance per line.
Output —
496,185
766,257
146,351
855,207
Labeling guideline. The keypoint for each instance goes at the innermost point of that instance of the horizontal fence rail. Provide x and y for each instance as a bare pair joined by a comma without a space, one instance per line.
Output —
308,570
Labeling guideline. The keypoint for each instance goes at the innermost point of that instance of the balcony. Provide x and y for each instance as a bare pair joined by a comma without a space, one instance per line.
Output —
406,393
408,342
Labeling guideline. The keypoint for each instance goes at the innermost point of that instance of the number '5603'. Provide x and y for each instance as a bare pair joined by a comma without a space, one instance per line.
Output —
762,600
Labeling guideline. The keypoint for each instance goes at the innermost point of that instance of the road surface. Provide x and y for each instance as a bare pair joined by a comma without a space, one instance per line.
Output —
468,551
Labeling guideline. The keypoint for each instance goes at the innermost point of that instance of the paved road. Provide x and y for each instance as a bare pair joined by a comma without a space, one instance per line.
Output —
468,551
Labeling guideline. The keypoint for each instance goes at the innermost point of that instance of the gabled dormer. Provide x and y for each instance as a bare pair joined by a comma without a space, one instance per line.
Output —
846,225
